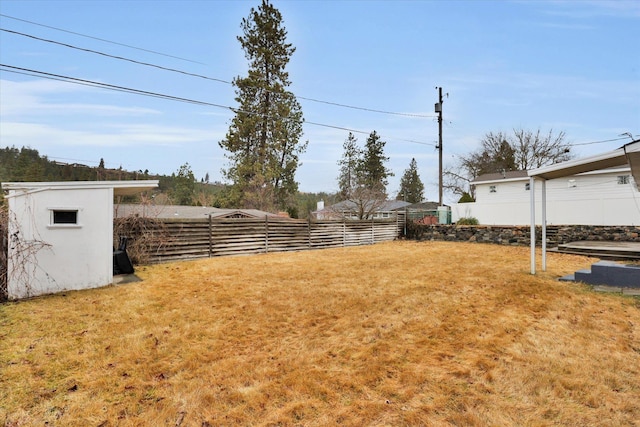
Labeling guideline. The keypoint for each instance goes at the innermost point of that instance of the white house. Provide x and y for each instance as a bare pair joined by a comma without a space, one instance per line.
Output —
61,234
599,197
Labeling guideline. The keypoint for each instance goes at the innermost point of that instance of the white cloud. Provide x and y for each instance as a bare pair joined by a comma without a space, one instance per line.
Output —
33,98
38,135
593,8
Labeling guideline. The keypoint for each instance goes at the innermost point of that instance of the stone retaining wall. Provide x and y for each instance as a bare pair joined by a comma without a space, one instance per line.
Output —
519,235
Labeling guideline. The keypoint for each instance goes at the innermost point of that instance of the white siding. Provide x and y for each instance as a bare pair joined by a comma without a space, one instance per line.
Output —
63,257
593,198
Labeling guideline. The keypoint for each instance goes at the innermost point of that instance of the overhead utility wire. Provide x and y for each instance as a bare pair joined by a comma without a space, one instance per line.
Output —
67,79
115,87
366,133
211,78
114,56
598,142
102,40
99,85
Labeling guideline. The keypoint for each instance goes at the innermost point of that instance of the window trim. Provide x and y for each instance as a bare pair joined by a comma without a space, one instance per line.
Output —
623,179
52,217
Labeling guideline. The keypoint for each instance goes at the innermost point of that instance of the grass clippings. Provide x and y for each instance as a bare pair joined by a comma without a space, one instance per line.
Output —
398,334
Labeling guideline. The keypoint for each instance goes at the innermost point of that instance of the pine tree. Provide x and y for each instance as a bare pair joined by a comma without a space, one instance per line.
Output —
411,186
350,166
374,173
363,177
263,143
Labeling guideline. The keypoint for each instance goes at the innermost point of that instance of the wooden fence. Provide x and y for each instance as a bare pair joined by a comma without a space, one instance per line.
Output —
180,239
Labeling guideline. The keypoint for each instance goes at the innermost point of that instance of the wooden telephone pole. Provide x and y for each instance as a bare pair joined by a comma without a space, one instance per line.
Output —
438,109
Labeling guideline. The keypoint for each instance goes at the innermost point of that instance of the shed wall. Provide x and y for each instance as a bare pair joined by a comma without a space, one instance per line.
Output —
45,257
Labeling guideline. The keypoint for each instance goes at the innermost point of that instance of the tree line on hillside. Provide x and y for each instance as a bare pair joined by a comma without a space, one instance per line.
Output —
181,187
26,165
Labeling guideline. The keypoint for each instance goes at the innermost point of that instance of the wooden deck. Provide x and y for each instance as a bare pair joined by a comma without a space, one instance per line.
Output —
602,249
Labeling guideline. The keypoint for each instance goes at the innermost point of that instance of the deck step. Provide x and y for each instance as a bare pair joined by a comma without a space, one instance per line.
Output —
610,274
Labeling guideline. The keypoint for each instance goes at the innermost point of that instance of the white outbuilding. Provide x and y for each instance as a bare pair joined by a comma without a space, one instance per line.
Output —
61,234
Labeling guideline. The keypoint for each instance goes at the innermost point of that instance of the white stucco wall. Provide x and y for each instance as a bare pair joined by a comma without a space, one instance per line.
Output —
593,198
59,257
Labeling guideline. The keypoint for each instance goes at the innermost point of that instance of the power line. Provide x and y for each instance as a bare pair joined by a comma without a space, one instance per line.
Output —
114,56
597,142
115,87
212,78
366,133
102,40
91,83
423,116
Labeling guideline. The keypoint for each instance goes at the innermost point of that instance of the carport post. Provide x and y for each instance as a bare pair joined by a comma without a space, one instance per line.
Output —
544,225
532,232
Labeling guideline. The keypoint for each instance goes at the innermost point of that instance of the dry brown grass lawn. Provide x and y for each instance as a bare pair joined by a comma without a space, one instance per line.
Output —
402,333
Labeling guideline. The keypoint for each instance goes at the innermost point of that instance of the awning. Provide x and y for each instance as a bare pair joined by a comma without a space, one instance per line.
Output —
629,154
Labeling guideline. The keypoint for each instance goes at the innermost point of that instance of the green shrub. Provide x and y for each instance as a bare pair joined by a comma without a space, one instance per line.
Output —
466,198
468,221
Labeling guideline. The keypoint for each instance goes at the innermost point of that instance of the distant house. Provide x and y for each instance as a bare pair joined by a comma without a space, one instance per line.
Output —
184,212
352,210
600,197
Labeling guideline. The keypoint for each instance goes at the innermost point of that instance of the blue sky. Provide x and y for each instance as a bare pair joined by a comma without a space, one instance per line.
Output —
571,66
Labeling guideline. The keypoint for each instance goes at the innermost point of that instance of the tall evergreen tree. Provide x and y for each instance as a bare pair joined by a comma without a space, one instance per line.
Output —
263,143
374,173
411,186
350,166
363,177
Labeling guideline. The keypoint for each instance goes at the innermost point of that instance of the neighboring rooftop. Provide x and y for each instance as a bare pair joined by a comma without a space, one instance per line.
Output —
386,206
175,211
507,175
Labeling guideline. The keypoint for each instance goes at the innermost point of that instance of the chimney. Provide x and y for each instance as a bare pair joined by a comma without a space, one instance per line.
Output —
320,205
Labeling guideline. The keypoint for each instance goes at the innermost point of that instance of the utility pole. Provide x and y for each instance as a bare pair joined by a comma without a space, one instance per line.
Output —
438,109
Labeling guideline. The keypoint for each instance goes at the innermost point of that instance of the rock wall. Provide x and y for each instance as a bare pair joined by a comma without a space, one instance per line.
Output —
519,235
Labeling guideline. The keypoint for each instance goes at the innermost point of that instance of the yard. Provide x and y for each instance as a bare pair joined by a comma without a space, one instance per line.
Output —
399,333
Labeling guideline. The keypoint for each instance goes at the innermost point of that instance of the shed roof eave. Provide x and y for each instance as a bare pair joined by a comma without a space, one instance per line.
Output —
586,164
120,188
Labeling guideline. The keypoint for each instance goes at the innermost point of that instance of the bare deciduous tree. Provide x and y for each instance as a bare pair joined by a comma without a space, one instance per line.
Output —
501,152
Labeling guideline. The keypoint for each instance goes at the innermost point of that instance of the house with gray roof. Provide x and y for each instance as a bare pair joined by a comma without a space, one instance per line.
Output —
185,212
354,210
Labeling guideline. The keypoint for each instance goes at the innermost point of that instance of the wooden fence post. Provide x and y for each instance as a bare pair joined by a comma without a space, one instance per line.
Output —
373,232
210,236
266,233
344,232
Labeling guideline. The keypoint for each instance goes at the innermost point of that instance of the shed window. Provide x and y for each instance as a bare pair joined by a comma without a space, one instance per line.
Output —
65,217
492,189
623,179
